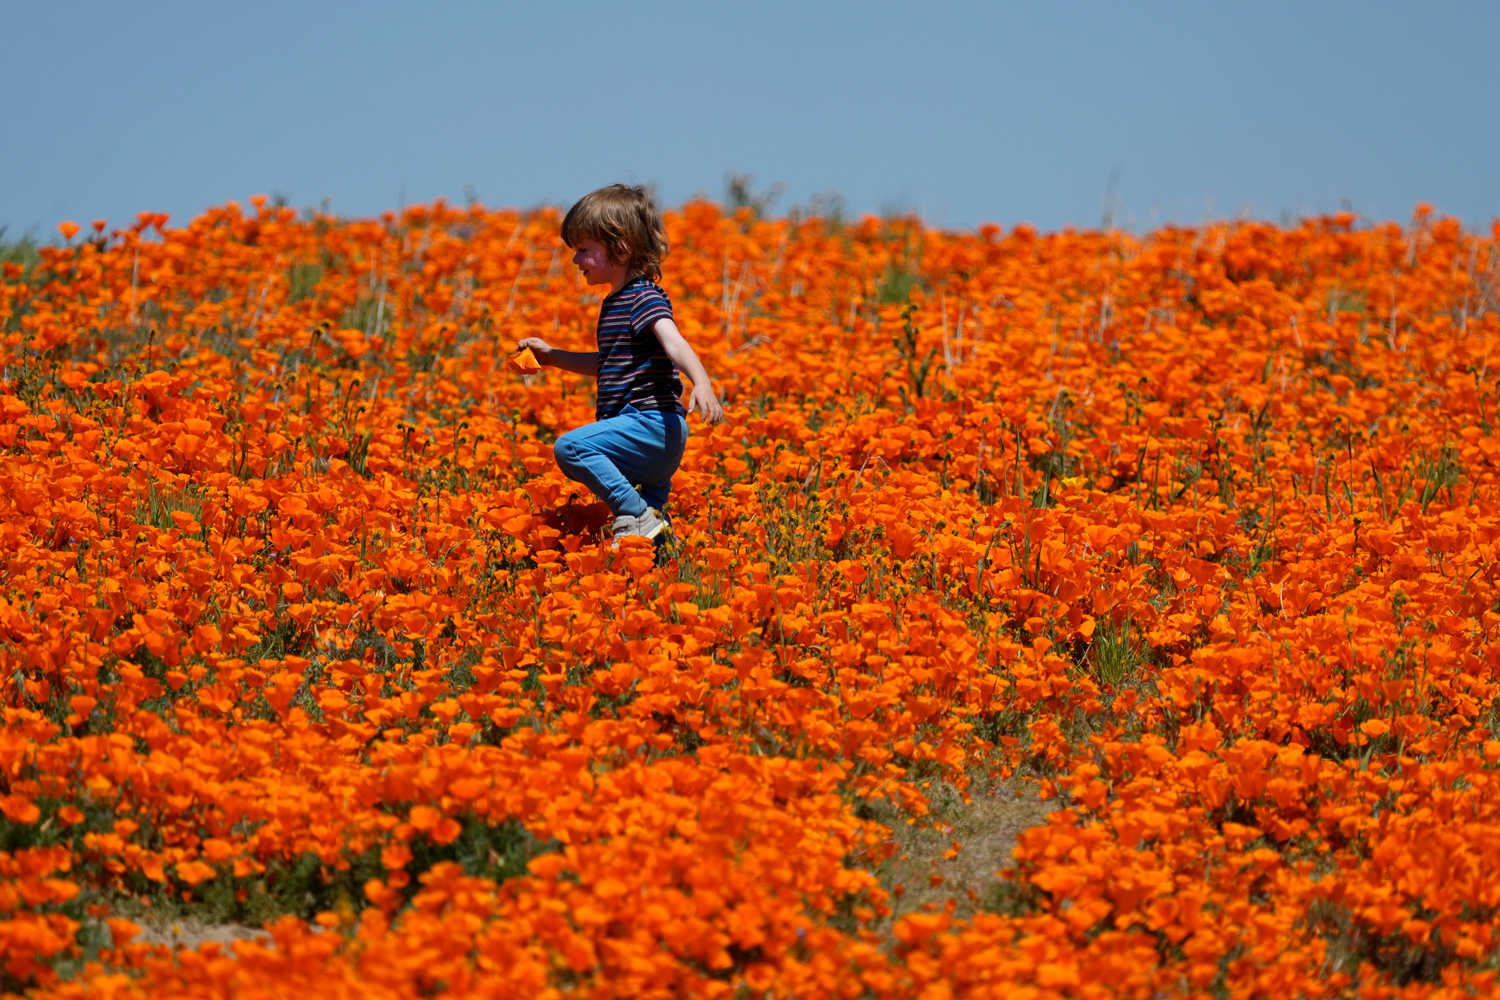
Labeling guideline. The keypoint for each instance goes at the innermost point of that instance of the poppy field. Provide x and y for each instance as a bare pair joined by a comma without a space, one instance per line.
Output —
1192,533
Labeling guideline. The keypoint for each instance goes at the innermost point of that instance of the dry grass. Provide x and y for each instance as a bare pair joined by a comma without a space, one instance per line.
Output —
189,932
920,876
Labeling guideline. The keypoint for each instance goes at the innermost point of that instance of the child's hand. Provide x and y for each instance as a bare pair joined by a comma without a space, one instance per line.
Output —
539,347
706,403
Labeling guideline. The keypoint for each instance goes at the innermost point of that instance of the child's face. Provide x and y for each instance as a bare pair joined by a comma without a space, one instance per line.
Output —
593,260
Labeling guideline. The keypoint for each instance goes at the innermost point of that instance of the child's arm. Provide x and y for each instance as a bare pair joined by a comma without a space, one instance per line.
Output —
579,362
681,352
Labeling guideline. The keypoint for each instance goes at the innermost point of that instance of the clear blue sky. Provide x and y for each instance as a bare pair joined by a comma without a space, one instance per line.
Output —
965,112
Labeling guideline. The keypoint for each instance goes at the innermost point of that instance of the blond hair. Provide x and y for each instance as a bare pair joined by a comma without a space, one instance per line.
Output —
623,220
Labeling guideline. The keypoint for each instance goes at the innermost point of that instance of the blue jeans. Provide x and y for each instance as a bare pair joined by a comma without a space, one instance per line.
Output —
626,460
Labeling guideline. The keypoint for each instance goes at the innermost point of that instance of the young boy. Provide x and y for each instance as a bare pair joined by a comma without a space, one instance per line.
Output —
628,455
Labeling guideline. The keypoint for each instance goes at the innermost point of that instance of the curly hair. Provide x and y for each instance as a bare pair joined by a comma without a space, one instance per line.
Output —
624,221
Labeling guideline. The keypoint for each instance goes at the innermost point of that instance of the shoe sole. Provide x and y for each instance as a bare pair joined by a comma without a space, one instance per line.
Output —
649,535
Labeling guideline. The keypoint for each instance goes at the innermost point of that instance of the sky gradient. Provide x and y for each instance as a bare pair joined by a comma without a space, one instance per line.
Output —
964,112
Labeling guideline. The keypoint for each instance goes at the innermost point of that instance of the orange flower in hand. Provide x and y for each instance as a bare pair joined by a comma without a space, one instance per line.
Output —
525,362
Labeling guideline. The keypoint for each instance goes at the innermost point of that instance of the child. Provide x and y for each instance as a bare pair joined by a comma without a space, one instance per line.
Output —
627,456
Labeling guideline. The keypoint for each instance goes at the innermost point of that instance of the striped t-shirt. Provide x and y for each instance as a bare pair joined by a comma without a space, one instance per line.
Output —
633,368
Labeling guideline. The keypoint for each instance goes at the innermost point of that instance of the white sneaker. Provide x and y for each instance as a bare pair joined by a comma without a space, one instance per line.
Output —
648,525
